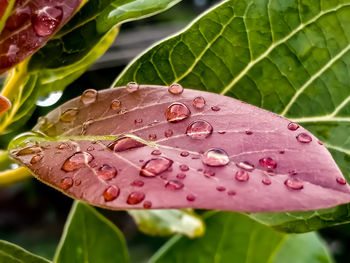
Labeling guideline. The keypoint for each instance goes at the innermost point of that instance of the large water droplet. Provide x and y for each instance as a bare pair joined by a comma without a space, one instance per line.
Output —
199,129
177,111
29,150
107,172
174,185
242,176
294,184
36,158
124,143
304,138
245,166
66,183
199,103
135,198
268,162
47,20
191,197
88,96
215,157
147,204
155,166
69,115
341,180
132,86
76,161
111,193
175,89
293,126
115,105
48,100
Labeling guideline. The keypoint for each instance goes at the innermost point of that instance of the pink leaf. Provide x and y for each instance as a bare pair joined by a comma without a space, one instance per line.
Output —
193,149
30,26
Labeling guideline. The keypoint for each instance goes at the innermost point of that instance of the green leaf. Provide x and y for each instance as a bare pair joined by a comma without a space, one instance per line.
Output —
11,253
290,57
231,236
90,237
69,53
167,222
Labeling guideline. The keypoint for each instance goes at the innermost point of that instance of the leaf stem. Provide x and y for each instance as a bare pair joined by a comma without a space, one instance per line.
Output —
11,177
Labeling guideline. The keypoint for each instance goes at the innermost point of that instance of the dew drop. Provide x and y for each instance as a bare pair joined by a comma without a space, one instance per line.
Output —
132,87
304,138
90,148
138,183
152,136
47,20
168,133
76,161
77,182
231,193
147,204
221,132
181,176
175,89
184,154
124,143
248,132
66,183
199,129
176,112
215,108
29,150
107,172
174,185
320,143
341,180
242,176
36,158
268,162
215,157
184,167
190,198
293,184
293,126
220,188
88,96
115,105
138,121
156,152
199,103
69,115
111,193
245,166
281,152
208,173
62,146
155,166
135,198
266,181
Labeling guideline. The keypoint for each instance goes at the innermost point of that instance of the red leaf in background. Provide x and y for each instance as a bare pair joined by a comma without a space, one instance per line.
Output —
190,149
30,26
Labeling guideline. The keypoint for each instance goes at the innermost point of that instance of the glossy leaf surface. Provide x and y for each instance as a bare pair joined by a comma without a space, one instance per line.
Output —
144,147
236,238
289,57
11,253
30,26
90,237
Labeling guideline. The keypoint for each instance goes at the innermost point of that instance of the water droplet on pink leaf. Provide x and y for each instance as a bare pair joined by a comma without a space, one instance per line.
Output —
111,193
268,162
190,198
304,138
184,167
293,126
341,180
215,108
199,103
135,198
132,87
147,204
66,183
242,176
199,129
175,89
124,143
294,184
107,172
215,157
76,161
174,185
115,105
88,96
246,166
168,133
155,166
176,112
47,20
138,183
156,152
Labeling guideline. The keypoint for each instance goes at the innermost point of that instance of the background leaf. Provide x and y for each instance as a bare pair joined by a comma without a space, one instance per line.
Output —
289,57
90,237
11,253
234,237
69,53
169,221
143,146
